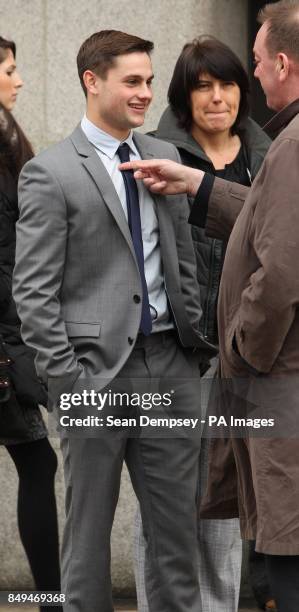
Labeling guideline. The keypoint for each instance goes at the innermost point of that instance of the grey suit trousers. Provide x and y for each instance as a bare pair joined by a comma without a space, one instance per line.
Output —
163,466
219,551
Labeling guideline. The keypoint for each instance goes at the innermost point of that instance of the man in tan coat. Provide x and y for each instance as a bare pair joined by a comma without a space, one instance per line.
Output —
259,309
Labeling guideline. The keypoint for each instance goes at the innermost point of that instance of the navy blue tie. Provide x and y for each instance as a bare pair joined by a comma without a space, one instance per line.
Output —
134,222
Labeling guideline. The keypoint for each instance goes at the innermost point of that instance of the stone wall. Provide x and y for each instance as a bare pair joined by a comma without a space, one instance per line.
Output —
48,34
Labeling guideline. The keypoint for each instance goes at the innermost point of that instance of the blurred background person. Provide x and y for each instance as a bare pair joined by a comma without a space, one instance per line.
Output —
22,429
207,120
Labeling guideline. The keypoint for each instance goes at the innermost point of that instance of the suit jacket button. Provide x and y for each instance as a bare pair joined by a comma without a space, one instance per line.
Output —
137,298
130,340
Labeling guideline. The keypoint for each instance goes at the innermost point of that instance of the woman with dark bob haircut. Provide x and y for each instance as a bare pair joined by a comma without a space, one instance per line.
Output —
206,55
207,120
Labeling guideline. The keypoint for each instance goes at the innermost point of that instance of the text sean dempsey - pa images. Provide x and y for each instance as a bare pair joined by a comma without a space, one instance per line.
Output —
145,402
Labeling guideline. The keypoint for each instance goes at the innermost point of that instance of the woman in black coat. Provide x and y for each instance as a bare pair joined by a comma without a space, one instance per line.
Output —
22,429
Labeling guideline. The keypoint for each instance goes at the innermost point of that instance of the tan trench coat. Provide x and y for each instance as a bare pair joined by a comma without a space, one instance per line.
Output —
259,310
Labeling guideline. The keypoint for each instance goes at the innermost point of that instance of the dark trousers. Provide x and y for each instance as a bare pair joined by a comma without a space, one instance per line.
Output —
163,466
283,574
36,464
258,574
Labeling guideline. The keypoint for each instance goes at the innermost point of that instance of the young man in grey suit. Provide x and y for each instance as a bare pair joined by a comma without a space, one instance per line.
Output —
106,290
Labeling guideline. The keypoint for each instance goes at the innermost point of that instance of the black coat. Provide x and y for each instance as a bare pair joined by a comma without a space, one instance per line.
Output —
20,419
210,252
9,321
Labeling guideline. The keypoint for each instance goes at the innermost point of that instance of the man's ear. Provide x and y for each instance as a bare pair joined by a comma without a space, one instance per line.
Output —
91,81
282,66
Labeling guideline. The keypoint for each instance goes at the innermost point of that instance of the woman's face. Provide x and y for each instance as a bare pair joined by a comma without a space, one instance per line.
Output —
10,81
214,104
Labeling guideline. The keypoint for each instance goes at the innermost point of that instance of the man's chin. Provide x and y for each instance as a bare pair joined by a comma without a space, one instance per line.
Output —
137,119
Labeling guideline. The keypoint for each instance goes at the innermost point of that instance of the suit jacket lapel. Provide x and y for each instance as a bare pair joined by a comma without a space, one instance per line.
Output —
169,252
167,238
146,152
100,176
143,145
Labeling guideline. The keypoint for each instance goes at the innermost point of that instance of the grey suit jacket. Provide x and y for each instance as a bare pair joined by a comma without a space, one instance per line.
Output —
76,271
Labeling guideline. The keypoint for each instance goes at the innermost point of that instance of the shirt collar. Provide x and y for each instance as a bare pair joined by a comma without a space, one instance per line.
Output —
281,119
103,141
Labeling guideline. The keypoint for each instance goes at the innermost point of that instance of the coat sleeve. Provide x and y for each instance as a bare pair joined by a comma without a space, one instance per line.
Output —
40,254
270,300
225,203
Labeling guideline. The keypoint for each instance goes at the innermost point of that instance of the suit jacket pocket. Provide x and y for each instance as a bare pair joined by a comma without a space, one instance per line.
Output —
77,330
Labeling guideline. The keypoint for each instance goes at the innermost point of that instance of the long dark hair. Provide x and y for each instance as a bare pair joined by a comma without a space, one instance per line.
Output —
15,148
5,46
206,54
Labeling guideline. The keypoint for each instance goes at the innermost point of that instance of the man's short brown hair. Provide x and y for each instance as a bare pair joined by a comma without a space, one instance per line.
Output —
99,51
283,27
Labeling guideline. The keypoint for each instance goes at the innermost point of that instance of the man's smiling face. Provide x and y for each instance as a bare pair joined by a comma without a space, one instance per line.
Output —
124,95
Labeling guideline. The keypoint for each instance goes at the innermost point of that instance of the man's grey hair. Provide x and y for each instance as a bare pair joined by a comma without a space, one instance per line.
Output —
283,27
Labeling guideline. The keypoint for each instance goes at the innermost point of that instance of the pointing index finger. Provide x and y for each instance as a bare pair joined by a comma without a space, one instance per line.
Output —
138,164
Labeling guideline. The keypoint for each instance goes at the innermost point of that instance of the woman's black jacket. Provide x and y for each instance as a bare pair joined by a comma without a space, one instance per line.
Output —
210,252
9,321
